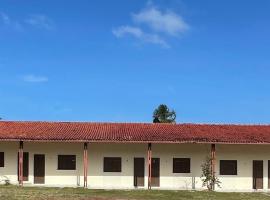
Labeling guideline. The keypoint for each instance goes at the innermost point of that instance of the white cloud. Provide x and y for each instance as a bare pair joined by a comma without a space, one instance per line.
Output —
34,79
9,22
168,22
156,39
139,34
40,21
5,18
123,30
151,25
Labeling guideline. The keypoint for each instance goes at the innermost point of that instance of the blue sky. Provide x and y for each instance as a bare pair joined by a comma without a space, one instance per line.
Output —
118,60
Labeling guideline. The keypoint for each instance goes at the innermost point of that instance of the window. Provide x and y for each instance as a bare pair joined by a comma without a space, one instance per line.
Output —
2,159
67,162
181,165
228,167
112,164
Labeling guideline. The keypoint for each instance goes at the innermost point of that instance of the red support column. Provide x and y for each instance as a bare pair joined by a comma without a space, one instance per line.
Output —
85,165
213,162
149,159
21,163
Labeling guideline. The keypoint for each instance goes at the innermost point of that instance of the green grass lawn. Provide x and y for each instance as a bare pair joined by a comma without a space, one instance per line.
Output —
35,193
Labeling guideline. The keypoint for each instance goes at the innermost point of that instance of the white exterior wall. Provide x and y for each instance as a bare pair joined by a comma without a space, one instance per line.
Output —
244,154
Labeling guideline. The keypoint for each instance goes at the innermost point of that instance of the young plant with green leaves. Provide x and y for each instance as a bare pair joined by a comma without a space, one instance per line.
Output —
209,179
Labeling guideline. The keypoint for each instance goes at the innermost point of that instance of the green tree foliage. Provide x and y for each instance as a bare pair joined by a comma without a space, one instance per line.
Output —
162,114
209,180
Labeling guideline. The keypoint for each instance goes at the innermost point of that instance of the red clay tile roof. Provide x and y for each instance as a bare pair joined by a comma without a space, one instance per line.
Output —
133,132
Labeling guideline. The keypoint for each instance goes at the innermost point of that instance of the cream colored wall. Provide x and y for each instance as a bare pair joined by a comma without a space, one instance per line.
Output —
9,170
166,153
245,154
51,150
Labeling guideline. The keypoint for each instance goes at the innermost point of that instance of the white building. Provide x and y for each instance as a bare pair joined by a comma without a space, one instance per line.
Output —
117,155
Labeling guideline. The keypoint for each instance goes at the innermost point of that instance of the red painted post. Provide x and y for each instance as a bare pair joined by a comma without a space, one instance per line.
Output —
213,162
85,165
21,163
149,158
86,168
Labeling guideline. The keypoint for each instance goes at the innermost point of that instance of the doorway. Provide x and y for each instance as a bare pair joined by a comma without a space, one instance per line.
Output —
257,174
138,172
39,169
155,168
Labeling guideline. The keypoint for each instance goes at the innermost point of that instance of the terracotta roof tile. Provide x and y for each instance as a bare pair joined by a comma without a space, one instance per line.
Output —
133,132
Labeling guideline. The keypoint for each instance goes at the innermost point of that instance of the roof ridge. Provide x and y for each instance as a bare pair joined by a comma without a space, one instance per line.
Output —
81,122
134,123
226,124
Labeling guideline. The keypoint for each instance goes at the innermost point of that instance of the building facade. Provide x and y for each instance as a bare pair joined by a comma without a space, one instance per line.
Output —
60,154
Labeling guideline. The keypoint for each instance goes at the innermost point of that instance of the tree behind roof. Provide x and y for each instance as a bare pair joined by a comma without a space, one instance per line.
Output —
162,114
